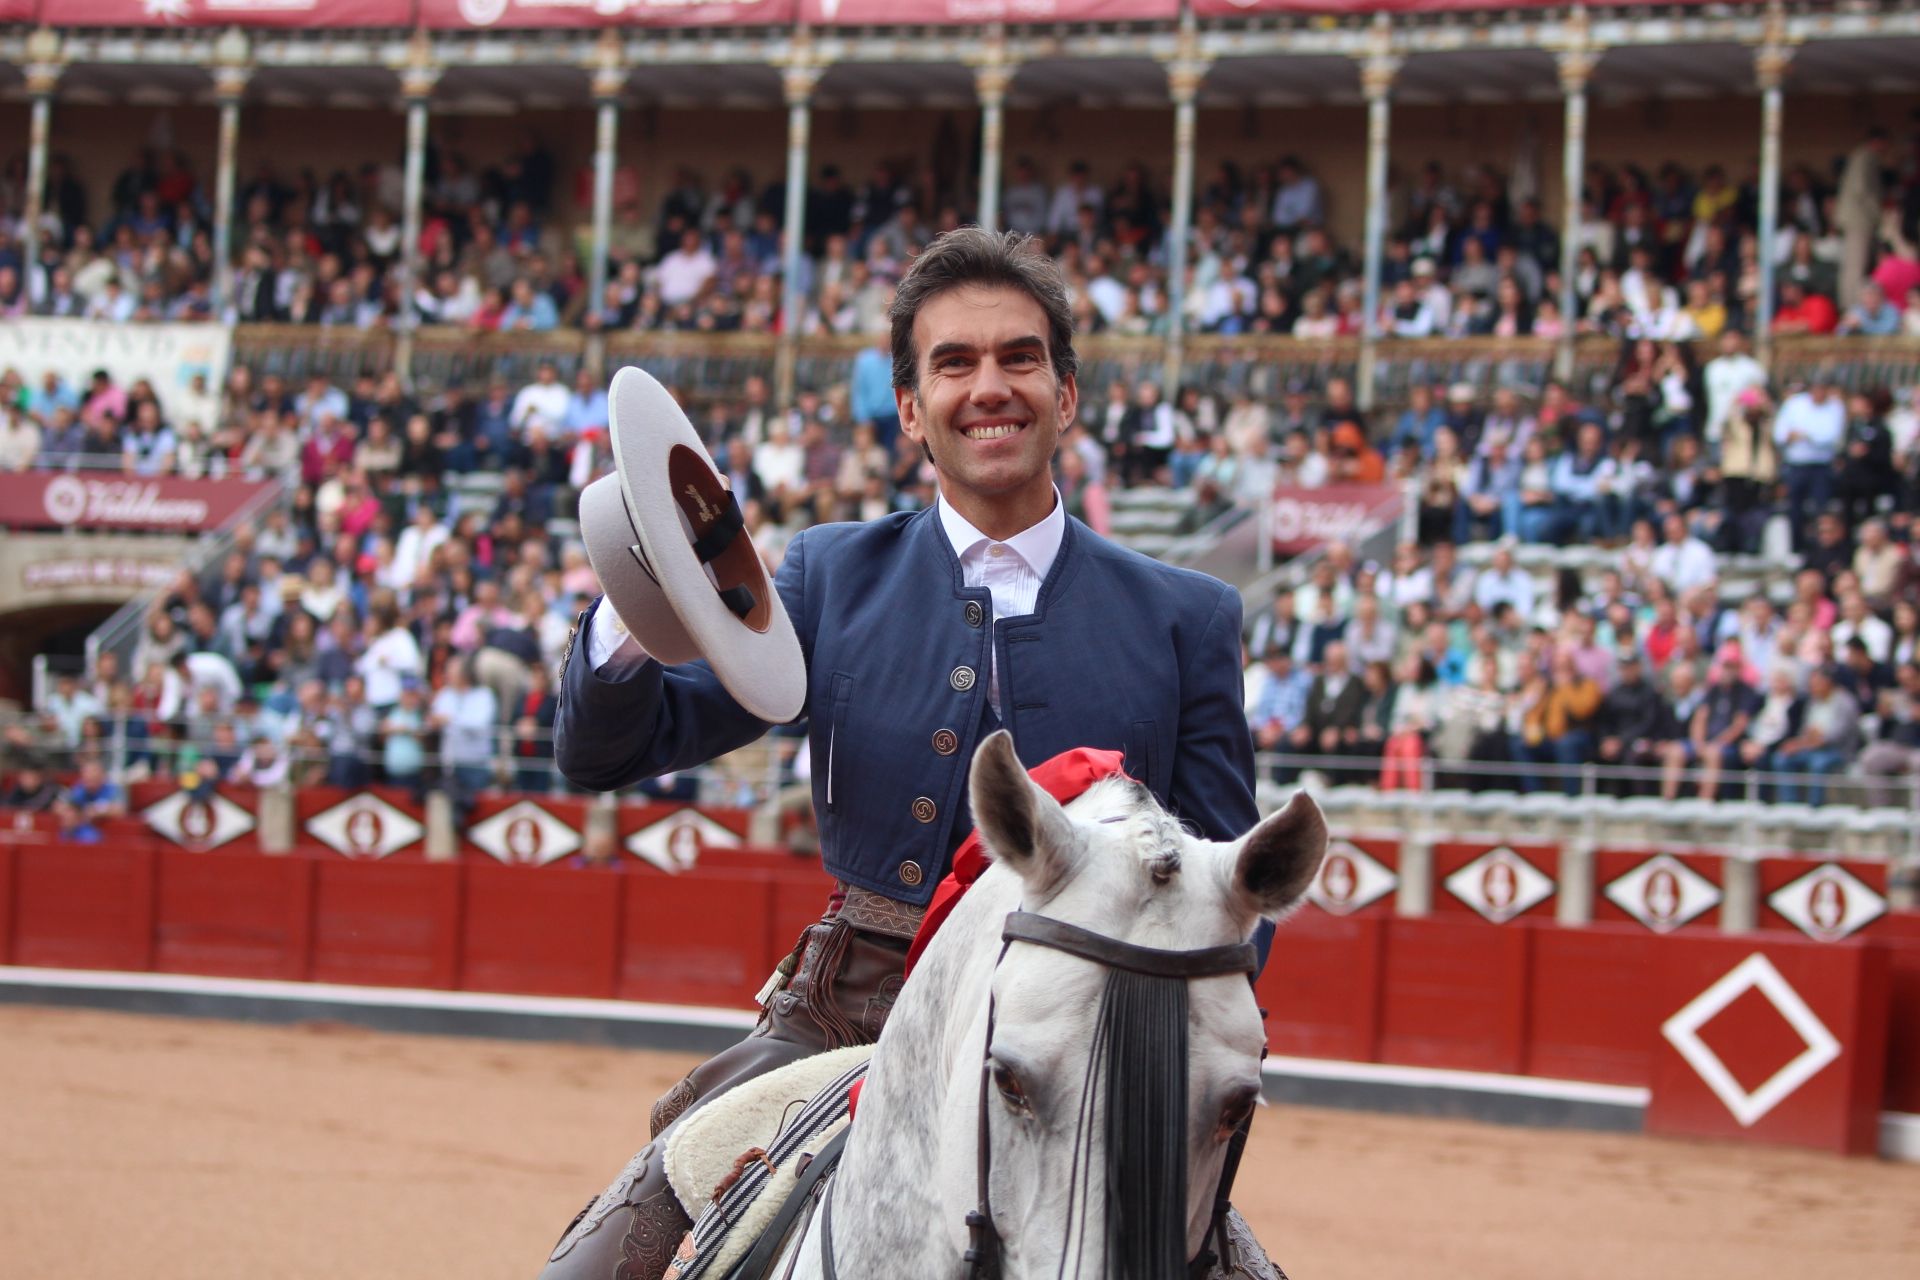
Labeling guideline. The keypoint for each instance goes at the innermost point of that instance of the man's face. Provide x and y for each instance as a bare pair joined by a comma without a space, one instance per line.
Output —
988,407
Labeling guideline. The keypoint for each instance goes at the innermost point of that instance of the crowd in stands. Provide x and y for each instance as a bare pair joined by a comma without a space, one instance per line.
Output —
400,621
1669,255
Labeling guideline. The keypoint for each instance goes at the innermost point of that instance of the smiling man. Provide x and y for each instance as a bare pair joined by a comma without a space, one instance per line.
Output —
923,633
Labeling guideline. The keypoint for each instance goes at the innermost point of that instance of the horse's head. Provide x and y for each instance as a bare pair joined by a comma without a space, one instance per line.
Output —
1112,1090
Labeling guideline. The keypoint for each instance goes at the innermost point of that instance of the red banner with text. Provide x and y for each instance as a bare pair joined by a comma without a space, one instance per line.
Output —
865,13
1305,518
107,500
297,14
469,15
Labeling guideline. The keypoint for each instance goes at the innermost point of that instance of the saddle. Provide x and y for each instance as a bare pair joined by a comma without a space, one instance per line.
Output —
737,1162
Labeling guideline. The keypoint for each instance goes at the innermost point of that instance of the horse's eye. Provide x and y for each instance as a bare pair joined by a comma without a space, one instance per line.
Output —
1010,1089
1237,1112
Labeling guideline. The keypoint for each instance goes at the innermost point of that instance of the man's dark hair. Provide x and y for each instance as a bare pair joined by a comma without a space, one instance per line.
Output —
994,259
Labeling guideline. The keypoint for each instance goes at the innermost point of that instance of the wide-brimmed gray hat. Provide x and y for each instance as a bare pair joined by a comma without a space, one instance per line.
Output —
666,539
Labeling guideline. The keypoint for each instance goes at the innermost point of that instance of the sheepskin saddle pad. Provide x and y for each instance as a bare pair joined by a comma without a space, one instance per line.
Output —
734,1160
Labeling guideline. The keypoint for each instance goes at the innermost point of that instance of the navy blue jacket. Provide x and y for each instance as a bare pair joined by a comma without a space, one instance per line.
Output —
1121,652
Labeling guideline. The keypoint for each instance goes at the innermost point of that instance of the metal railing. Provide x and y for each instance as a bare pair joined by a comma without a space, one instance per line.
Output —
120,633
1763,795
703,367
754,775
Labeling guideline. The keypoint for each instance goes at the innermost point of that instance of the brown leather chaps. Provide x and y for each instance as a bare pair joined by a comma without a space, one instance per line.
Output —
843,984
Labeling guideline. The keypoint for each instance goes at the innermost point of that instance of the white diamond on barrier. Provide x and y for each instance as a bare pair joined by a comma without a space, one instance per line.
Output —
673,843
365,826
1663,893
198,823
1350,879
1828,903
525,833
1500,884
1755,973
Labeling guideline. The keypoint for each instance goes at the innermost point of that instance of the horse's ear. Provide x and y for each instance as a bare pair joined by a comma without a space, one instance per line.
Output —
1022,825
1280,857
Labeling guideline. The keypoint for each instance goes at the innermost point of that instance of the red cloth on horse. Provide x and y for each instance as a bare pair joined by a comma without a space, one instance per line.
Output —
1065,777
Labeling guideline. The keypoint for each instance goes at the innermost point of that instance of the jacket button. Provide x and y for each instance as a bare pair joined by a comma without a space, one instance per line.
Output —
946,742
962,678
975,614
910,873
923,810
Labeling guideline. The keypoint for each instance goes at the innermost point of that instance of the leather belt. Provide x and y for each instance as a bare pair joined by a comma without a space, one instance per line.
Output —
876,913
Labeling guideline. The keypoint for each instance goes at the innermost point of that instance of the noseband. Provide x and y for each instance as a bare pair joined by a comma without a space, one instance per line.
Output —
983,1251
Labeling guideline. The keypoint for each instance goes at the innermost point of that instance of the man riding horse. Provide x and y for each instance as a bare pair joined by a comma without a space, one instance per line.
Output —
922,634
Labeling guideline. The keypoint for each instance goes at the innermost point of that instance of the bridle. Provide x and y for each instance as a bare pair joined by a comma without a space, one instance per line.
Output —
983,1250
982,1255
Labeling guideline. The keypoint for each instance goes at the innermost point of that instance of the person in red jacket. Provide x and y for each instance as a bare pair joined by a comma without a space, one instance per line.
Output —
1804,312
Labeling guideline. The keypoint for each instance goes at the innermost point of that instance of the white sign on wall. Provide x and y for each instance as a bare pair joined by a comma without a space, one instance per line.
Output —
185,363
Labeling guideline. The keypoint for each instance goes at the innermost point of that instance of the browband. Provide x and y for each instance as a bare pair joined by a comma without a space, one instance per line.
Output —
1207,962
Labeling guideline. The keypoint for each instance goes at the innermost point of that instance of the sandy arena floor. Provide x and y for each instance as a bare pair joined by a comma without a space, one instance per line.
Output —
174,1149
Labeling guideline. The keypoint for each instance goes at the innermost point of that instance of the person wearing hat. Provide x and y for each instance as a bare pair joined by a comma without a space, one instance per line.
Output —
904,641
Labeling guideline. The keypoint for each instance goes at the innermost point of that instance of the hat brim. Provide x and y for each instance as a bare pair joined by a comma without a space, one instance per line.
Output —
640,524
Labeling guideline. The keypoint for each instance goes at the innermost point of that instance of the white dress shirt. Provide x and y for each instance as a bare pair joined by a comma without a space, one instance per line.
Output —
1011,571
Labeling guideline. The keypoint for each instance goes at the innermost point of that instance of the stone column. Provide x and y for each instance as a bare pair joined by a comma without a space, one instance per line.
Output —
798,79
1184,77
608,80
43,74
1576,69
417,79
1770,63
230,76
990,81
1376,80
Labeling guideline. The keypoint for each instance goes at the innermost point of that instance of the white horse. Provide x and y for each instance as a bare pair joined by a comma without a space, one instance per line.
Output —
1073,1187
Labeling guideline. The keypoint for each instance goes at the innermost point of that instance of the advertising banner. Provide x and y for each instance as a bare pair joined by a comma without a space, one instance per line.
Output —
1236,8
185,363
1305,518
296,14
105,500
467,15
863,13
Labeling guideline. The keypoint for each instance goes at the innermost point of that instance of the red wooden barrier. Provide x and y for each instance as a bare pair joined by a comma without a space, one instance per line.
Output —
233,915
699,938
1900,935
1455,995
1357,877
524,830
374,822
540,934
1590,1007
1496,882
6,904
1322,986
1772,1040
83,906
1658,891
386,924
1823,899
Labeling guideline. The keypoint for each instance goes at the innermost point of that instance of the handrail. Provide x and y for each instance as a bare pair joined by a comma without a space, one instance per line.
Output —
120,632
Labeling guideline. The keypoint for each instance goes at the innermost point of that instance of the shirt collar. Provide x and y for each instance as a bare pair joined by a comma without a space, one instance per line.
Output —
1038,544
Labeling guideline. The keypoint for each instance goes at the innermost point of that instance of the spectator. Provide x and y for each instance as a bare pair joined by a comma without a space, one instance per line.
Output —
93,798
1871,316
1683,562
1502,582
1416,710
1559,724
30,791
1634,723
1280,707
1824,734
402,746
1896,752
465,715
262,765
